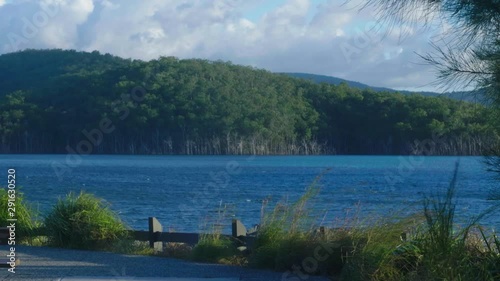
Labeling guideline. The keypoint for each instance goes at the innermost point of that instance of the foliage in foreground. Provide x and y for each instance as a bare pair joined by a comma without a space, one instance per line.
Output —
426,246
287,236
436,249
213,248
129,246
83,222
25,214
432,247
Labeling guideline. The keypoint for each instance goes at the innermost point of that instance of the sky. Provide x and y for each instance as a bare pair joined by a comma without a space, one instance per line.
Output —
327,37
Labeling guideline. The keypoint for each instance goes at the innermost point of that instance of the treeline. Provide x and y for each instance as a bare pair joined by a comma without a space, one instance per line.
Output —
54,101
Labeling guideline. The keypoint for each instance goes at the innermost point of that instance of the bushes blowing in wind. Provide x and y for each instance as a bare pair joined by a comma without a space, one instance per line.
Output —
24,213
83,222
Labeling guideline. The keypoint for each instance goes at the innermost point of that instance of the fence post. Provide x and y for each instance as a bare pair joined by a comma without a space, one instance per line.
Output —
322,232
238,229
154,229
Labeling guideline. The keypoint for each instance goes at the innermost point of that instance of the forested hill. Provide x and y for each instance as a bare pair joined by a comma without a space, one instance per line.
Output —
335,81
55,101
472,96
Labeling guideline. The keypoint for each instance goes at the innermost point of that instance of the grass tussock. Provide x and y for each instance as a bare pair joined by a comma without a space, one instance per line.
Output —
428,245
26,215
378,252
436,249
214,247
83,221
288,238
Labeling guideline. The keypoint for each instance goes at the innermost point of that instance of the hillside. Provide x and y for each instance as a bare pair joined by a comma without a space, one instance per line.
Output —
34,70
336,81
472,96
56,101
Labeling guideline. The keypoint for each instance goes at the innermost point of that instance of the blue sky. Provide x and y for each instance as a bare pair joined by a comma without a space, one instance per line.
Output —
260,9
315,36
256,12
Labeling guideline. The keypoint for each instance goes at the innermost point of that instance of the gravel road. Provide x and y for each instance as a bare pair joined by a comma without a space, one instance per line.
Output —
42,263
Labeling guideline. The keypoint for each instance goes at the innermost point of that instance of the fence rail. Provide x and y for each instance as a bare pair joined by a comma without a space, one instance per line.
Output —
157,237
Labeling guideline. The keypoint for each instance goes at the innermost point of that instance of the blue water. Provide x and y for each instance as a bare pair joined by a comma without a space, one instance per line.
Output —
186,192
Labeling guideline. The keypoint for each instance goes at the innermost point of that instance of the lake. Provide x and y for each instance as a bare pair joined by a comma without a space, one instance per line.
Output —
186,193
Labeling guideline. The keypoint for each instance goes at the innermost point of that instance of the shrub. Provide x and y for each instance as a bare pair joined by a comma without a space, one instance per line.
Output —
287,239
437,250
450,252
26,215
83,222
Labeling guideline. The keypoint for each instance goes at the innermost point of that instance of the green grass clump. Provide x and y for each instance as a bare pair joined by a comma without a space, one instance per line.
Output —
378,252
83,222
454,253
213,248
437,249
288,239
25,214
132,247
428,245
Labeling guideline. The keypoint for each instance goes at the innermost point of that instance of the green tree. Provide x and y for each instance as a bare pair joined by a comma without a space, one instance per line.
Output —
201,107
470,55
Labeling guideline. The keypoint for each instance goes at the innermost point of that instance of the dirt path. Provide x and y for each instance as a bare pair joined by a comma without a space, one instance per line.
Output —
41,263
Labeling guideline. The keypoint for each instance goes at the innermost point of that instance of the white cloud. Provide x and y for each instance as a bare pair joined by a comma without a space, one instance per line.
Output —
297,36
62,29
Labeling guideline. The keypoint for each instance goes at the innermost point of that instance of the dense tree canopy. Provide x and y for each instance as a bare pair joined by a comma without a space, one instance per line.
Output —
469,53
55,101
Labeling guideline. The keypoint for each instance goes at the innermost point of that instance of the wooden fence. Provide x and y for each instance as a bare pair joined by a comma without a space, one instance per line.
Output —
157,237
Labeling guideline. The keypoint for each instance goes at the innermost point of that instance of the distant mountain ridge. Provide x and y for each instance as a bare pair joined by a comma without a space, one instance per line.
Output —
461,95
335,81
